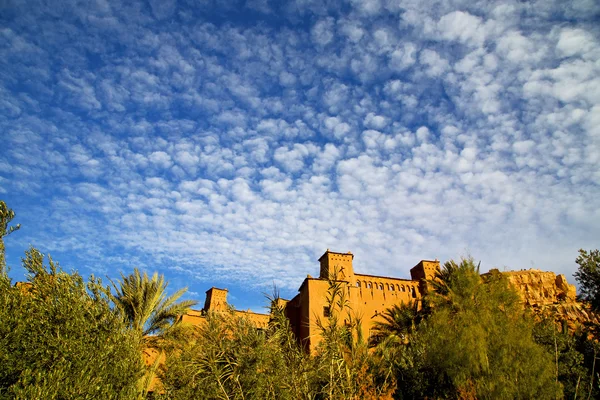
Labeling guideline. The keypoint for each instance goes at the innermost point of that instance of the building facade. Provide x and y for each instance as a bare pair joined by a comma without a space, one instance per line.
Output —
368,295
216,301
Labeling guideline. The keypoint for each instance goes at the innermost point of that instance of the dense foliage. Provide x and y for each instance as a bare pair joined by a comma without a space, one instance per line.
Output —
588,276
145,303
228,358
60,338
471,340
6,216
470,337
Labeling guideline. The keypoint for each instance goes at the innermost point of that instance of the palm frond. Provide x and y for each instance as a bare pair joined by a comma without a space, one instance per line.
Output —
144,302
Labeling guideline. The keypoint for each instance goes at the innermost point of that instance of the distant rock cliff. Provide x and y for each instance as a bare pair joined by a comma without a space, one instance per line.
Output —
550,295
538,288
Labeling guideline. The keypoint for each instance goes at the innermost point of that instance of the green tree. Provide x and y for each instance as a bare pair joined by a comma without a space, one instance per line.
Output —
228,358
398,324
568,351
344,365
146,305
492,353
151,313
472,340
588,276
398,345
60,338
6,216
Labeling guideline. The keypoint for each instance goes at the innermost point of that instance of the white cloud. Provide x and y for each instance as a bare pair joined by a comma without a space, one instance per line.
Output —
462,26
369,7
322,31
352,29
402,57
339,128
161,159
575,42
375,121
436,65
399,131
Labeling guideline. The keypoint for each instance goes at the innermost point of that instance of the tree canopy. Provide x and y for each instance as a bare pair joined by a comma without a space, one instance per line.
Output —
588,276
6,216
472,340
60,338
145,303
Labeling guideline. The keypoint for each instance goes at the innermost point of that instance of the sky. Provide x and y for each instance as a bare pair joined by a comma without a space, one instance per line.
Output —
230,143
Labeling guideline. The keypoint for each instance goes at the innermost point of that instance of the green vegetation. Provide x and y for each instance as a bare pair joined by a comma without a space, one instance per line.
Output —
60,338
473,340
344,366
6,215
147,308
588,276
150,313
228,358
470,337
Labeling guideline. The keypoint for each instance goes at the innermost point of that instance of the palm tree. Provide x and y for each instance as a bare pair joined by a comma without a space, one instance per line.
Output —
150,312
399,323
453,283
145,304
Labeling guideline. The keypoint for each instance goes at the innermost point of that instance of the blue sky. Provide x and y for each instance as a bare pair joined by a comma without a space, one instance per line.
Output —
231,143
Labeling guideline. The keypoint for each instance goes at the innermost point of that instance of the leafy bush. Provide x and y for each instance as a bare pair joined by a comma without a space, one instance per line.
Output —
59,338
227,357
474,341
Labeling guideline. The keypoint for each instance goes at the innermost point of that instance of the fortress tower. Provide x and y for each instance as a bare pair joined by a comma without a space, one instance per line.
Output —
367,295
337,266
216,299
423,271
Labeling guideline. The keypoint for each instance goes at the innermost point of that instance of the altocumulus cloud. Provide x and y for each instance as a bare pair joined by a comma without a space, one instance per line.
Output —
236,141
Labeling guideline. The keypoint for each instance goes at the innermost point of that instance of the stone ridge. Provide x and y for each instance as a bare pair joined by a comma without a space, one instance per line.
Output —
550,295
540,288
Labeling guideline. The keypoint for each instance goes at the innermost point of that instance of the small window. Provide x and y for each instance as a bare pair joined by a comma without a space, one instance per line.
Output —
326,312
381,286
358,284
369,285
414,294
392,288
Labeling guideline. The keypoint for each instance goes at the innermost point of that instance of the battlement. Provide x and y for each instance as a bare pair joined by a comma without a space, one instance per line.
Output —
336,266
368,295
216,299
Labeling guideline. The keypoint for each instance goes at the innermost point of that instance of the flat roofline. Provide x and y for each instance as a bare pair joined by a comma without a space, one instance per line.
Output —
225,290
192,312
251,312
431,261
335,252
385,277
316,279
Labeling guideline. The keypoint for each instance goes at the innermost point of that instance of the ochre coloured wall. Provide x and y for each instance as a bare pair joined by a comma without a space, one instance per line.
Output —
216,301
368,295
336,266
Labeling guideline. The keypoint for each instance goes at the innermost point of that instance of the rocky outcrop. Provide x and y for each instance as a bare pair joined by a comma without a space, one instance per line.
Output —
538,288
550,295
